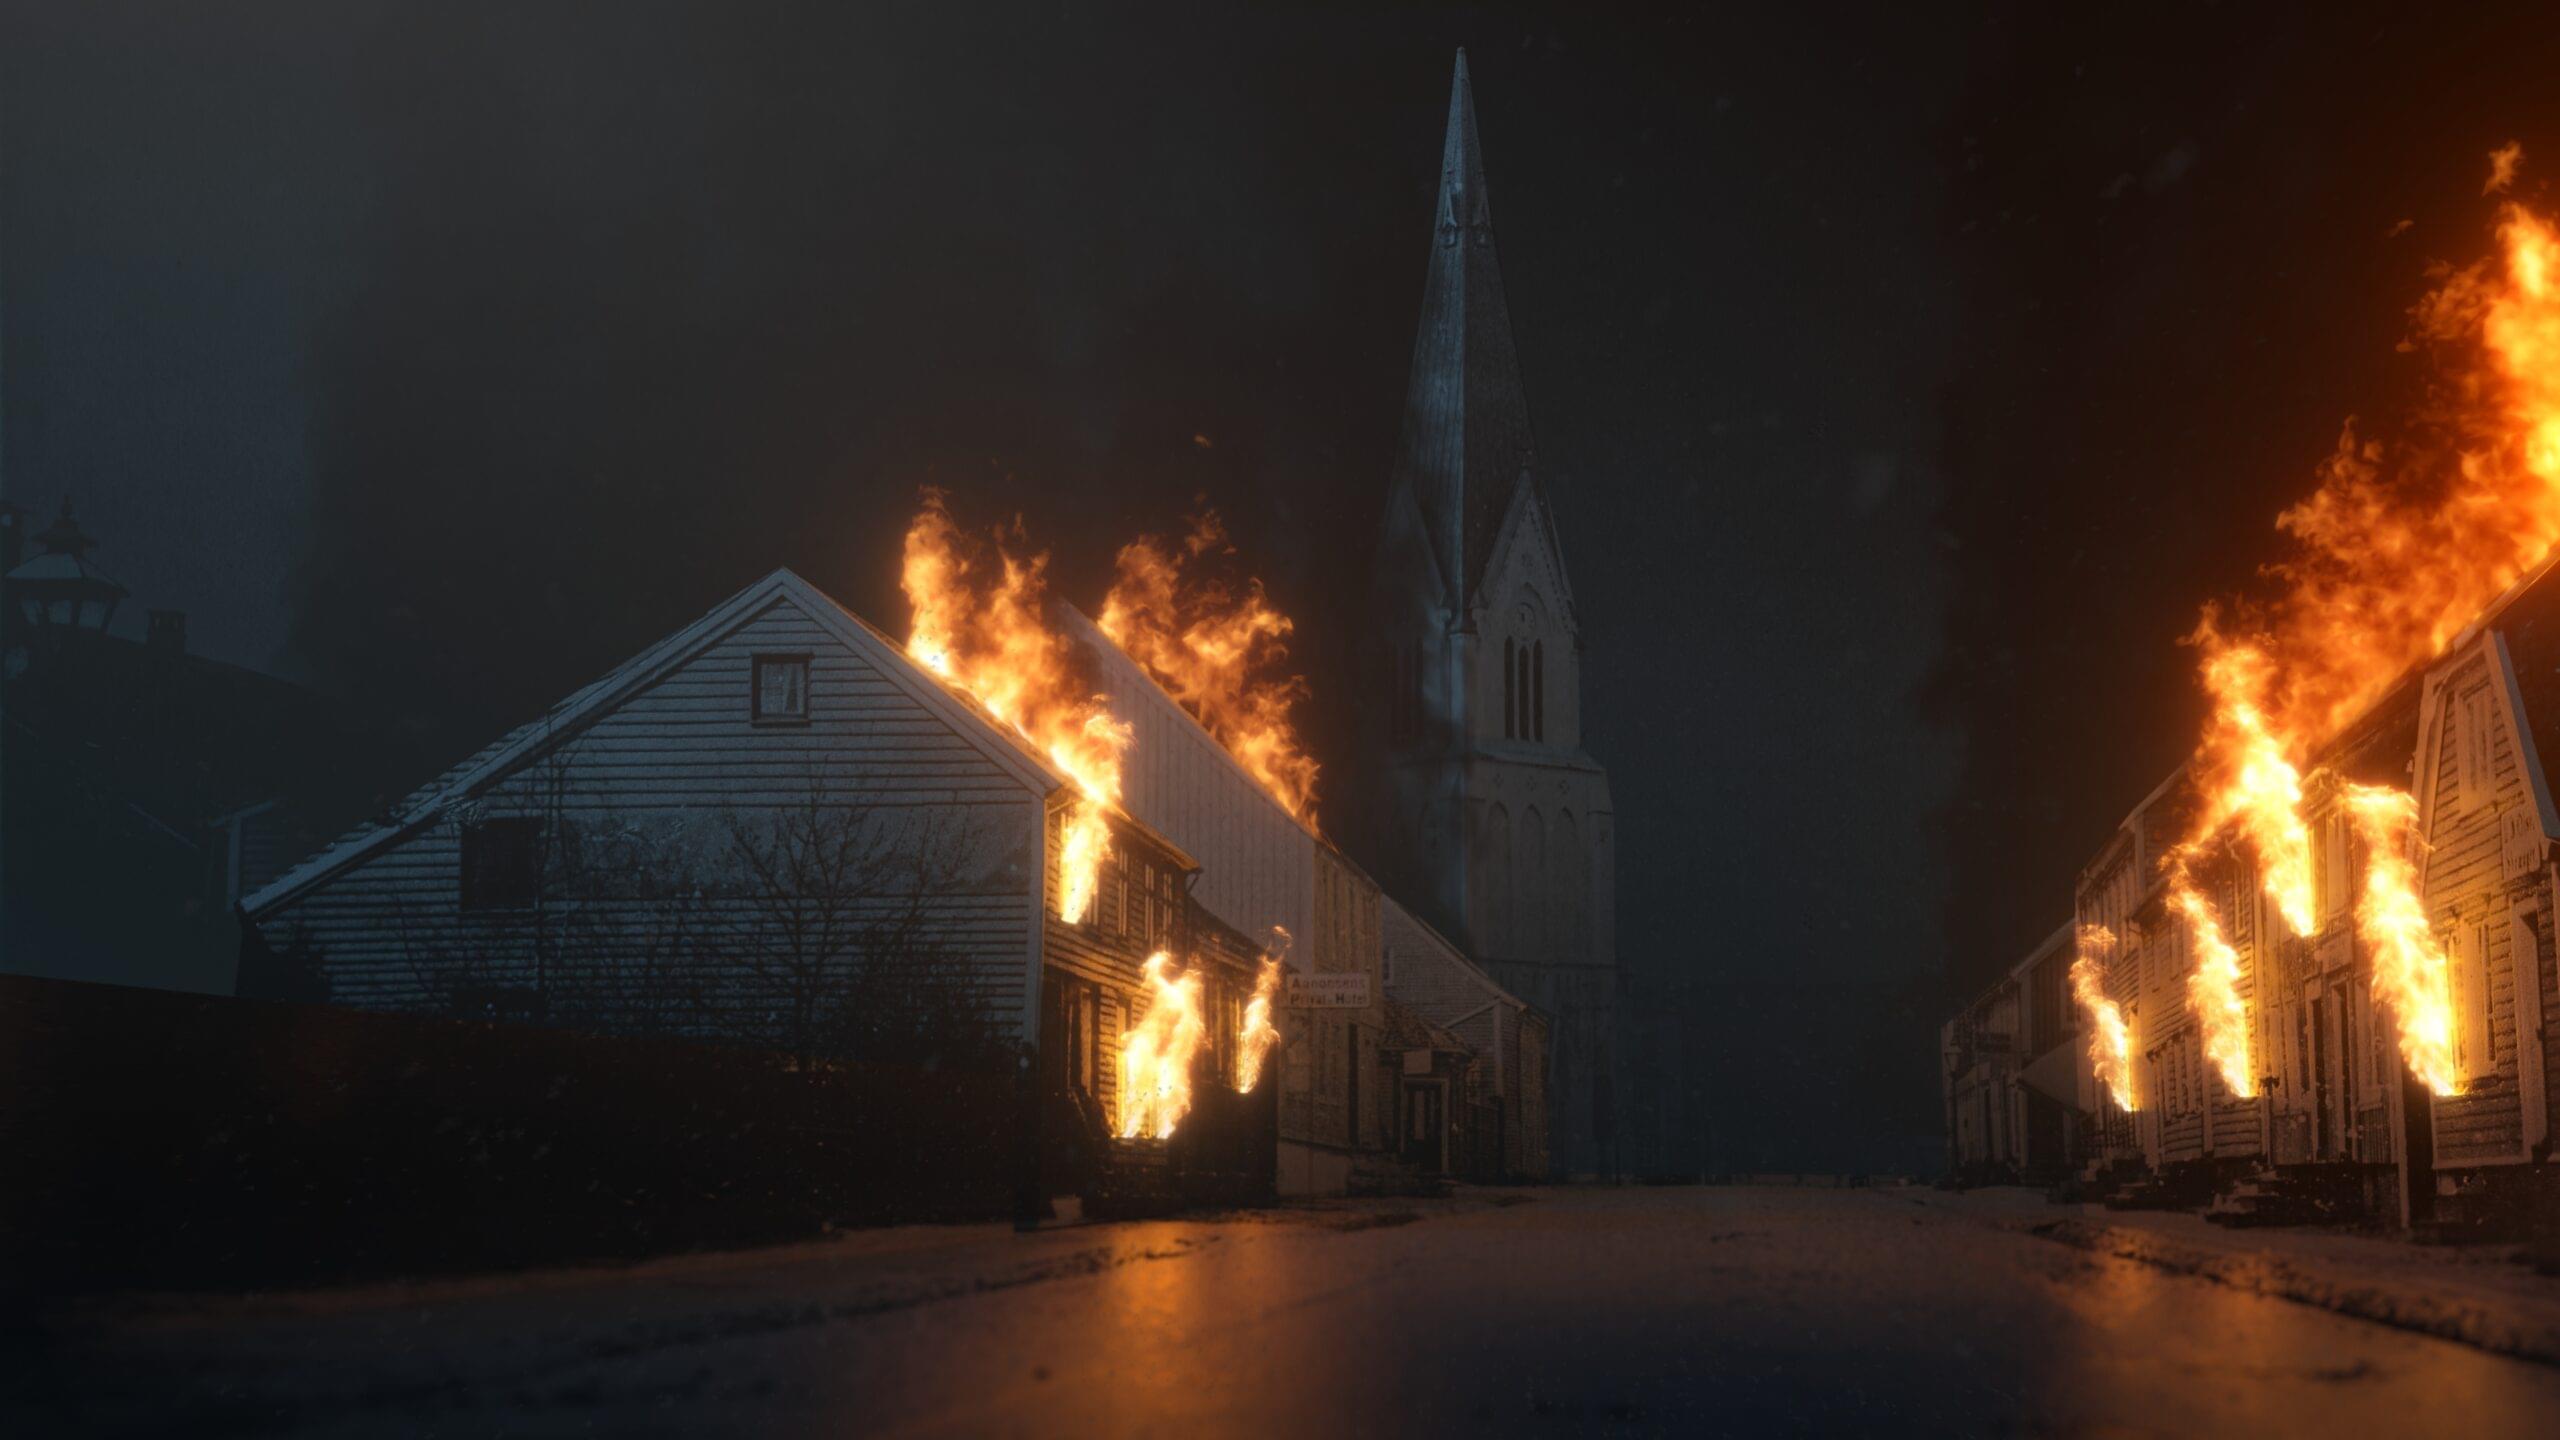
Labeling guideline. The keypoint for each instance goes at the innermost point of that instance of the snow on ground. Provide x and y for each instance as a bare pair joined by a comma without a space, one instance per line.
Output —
1721,1310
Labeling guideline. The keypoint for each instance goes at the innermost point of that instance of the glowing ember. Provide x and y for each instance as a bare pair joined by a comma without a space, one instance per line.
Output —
1257,1037
1216,648
1156,1054
2110,1038
2400,548
2410,974
981,623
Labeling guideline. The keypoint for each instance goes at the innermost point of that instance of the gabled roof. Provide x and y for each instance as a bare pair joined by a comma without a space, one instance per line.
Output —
1409,1029
528,742
1530,520
1465,442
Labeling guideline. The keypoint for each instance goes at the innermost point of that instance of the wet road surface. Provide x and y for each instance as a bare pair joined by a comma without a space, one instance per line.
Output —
1712,1311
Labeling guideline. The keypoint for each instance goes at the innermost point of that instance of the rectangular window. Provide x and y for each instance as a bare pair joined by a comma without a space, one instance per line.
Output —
502,864
781,690
2470,965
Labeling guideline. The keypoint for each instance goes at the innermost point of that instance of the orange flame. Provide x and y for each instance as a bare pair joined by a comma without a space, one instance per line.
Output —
2110,1038
981,623
1156,1054
2260,789
1256,1038
2399,549
2213,990
1215,648
2410,974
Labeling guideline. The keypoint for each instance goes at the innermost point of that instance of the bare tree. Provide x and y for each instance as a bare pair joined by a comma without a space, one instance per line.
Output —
813,927
821,932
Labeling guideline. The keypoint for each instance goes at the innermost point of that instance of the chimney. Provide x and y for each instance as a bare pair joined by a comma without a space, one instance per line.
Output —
168,634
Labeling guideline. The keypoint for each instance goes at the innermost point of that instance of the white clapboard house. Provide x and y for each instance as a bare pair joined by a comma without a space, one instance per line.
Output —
771,826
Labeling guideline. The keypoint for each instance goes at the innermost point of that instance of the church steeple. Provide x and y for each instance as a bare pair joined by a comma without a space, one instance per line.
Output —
1486,814
1465,443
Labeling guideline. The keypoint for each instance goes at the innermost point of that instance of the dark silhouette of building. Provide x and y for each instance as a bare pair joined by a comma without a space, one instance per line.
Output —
146,788
1499,826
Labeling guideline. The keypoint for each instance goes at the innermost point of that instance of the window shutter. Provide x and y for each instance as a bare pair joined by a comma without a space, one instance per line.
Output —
2334,870
2466,749
2470,965
2524,967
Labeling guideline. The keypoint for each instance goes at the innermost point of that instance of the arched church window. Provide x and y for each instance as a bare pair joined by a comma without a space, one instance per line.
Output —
1510,689
1538,689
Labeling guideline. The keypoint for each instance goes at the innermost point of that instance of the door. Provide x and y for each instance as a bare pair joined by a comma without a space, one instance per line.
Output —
1426,1124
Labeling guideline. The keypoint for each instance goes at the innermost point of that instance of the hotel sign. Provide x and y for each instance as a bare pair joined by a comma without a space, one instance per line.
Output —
1327,992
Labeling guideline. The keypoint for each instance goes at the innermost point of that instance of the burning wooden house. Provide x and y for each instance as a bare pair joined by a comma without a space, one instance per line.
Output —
2487,710
2322,952
1267,873
776,826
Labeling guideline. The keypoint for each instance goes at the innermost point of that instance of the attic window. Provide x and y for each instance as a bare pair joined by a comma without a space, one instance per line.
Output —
781,690
502,864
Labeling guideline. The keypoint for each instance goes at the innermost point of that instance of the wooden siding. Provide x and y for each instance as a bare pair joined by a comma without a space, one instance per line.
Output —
1139,908
677,756
2469,888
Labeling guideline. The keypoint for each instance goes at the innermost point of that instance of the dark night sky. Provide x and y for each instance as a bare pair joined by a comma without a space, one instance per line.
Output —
1903,383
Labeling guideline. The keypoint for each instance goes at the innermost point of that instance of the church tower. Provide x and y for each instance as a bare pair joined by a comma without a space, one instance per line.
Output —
1498,825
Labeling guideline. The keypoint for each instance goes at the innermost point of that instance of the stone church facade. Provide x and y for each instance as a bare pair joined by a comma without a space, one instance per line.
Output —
1496,822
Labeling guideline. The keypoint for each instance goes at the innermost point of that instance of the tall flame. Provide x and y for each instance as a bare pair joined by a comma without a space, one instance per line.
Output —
2213,990
1156,1054
2260,790
2110,1038
981,623
1257,1037
2399,549
1215,647
2410,975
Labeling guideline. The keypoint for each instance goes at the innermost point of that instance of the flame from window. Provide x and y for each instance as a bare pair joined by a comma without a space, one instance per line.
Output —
1258,1037
2110,1038
1156,1054
2410,973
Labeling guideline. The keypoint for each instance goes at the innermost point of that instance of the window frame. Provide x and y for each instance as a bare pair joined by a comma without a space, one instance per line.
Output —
757,661
469,888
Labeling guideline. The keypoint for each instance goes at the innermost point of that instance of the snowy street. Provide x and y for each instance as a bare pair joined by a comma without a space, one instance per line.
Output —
1630,1311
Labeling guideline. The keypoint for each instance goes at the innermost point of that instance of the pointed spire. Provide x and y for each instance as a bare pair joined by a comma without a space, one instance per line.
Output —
1465,443
1465,203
